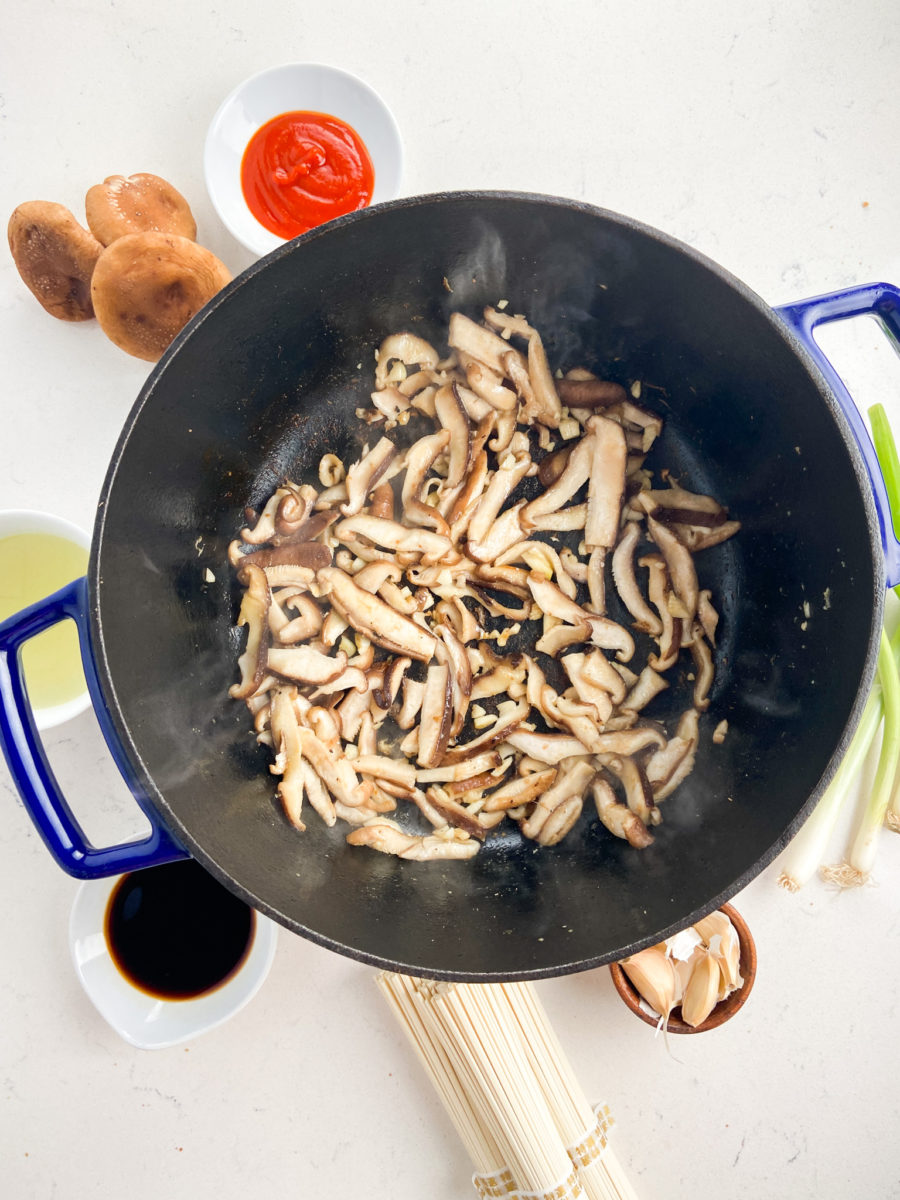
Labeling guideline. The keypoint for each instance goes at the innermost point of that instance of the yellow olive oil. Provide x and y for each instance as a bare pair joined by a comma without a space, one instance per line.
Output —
32,566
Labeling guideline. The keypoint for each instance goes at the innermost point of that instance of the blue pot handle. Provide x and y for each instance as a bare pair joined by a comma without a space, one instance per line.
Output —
882,301
31,772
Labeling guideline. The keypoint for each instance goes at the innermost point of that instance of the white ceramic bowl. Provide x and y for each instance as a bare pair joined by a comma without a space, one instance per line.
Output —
294,86
146,1021
18,521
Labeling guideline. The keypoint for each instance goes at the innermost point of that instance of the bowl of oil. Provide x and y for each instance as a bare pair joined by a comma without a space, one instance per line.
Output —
167,953
40,553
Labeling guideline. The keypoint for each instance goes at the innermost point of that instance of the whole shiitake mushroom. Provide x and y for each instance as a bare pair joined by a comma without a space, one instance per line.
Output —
55,257
141,203
147,286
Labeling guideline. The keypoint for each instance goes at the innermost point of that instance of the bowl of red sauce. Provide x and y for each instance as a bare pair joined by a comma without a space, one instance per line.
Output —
296,146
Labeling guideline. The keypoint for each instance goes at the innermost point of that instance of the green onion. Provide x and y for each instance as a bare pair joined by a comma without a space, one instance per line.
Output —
859,865
893,813
886,449
808,849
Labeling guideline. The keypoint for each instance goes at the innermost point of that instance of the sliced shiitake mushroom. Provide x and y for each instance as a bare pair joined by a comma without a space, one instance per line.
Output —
147,286
137,204
55,257
417,532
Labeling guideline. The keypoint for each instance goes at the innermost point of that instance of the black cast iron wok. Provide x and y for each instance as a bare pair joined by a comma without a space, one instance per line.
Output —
267,378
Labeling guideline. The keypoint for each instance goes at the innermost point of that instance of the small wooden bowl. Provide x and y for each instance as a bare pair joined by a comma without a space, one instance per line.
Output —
724,1010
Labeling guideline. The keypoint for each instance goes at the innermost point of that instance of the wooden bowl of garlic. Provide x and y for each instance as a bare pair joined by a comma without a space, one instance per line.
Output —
695,980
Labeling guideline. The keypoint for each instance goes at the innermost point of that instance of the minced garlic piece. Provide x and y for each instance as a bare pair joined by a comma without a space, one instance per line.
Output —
485,721
506,634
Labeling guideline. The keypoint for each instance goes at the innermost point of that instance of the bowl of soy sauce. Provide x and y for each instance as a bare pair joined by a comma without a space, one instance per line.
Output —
168,953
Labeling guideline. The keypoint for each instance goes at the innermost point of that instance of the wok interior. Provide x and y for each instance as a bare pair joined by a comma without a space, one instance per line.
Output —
269,379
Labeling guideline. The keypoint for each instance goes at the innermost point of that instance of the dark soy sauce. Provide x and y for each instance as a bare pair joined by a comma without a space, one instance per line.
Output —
174,931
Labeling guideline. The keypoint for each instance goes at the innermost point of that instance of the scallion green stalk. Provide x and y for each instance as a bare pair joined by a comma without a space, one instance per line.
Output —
886,449
865,843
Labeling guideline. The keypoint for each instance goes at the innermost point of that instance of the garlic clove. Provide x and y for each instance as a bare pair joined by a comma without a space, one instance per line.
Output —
684,968
726,949
682,945
653,975
702,992
715,923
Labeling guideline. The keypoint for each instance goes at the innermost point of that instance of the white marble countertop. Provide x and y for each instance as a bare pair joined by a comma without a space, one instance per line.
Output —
764,135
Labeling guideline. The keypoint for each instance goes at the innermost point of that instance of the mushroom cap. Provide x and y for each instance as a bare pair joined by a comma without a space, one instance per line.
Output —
138,204
147,286
55,257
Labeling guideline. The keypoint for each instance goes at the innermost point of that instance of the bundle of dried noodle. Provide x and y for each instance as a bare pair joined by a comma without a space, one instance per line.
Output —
509,1089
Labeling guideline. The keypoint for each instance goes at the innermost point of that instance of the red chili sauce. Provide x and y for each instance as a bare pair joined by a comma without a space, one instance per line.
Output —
303,168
